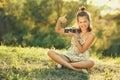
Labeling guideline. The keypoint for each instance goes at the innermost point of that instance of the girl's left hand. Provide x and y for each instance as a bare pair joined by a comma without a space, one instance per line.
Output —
63,19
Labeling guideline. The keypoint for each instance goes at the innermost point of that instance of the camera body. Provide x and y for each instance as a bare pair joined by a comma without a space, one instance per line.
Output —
71,29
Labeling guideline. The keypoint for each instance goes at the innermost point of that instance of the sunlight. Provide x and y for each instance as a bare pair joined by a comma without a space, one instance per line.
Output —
110,5
113,4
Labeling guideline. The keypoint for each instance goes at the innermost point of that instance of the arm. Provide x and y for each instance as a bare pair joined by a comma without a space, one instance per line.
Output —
58,28
83,48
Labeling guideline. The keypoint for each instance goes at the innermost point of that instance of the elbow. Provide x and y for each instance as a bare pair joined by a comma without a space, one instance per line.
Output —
81,51
56,30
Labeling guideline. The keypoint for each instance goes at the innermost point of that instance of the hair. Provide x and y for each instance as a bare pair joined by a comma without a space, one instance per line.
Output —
82,13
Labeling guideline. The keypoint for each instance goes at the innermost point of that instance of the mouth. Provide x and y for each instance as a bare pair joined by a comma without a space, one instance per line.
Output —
83,26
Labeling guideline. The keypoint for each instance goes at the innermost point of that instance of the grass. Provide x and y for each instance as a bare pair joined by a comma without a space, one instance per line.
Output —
32,63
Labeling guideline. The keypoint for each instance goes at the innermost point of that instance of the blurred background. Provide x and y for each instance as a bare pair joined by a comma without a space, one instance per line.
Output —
30,23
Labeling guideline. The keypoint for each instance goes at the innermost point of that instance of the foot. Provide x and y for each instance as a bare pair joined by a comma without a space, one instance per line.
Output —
59,66
84,71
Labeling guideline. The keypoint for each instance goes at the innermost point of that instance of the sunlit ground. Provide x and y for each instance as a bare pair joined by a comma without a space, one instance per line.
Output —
32,63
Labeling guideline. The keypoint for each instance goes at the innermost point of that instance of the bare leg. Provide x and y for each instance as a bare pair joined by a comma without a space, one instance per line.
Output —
83,64
61,60
65,58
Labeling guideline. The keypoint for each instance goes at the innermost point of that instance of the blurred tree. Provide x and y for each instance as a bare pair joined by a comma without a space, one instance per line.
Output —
12,27
32,23
106,30
44,15
114,47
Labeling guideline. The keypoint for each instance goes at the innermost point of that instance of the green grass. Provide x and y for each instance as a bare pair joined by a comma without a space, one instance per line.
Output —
32,63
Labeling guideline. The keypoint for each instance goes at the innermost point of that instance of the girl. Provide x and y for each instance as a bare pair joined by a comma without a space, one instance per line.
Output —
77,56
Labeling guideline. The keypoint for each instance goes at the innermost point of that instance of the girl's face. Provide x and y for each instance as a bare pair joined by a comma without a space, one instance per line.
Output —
83,22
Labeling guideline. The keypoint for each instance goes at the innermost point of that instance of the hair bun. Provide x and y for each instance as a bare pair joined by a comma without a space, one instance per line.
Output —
82,8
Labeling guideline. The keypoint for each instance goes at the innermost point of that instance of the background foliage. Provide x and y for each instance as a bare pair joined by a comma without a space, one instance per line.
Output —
32,23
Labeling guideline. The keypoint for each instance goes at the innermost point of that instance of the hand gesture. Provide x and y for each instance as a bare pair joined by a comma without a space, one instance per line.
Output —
63,19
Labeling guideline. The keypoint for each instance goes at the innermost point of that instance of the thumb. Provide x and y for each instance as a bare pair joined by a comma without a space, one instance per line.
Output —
65,16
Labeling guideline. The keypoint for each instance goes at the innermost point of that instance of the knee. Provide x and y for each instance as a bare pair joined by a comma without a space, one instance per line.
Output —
49,53
92,64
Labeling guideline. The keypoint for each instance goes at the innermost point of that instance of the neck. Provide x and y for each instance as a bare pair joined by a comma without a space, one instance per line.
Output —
84,31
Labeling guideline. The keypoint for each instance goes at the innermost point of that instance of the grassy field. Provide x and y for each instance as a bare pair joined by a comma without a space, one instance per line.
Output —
32,63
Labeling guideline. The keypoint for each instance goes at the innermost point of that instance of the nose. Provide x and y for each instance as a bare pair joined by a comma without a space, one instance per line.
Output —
82,24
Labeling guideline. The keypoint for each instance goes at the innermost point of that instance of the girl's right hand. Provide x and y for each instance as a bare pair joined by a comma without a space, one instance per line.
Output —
63,19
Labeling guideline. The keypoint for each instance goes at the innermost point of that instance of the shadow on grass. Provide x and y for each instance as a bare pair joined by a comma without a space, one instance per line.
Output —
45,71
42,74
60,74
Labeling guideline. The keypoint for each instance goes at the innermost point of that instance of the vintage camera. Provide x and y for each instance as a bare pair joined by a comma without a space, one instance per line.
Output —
71,29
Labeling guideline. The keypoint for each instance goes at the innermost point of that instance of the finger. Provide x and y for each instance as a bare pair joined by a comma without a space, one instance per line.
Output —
65,15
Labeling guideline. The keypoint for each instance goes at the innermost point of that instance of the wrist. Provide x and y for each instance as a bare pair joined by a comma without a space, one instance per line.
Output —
58,21
75,37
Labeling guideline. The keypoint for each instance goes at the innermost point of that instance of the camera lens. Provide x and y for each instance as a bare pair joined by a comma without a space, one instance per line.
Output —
66,30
